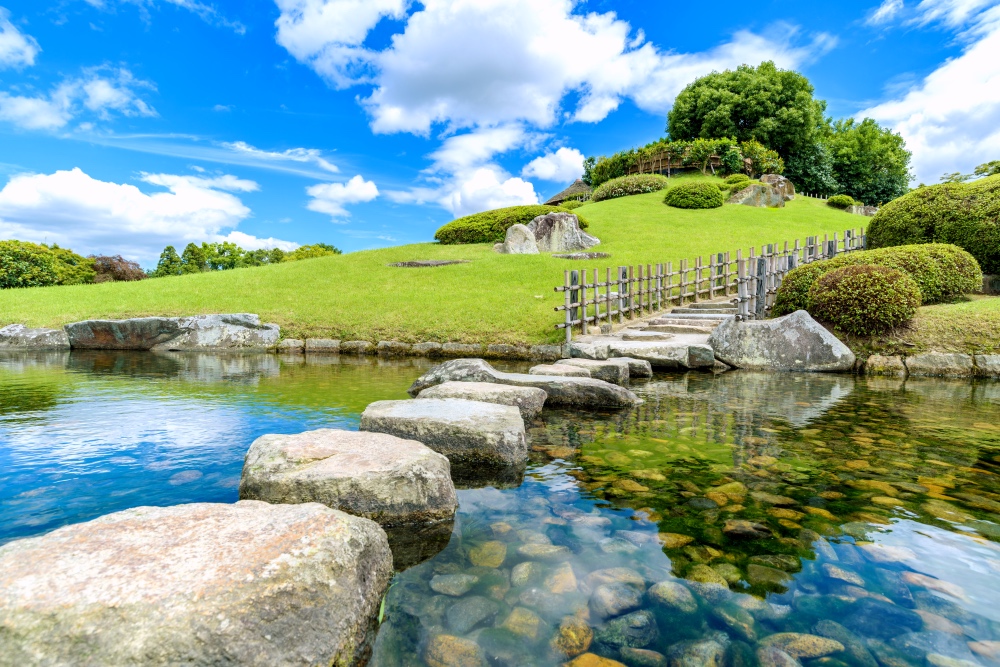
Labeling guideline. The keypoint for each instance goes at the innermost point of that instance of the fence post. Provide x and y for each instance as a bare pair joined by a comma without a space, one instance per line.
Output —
607,294
684,270
567,296
622,296
743,309
583,302
697,277
761,297
631,291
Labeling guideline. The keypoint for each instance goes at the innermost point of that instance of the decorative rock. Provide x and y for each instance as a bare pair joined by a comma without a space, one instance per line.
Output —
248,583
746,529
637,630
525,572
853,645
800,645
761,575
615,371
377,476
794,342
781,184
421,349
469,612
616,599
545,352
706,575
543,551
879,365
392,348
560,370
584,255
881,620
666,355
758,195
20,337
359,347
772,656
528,400
574,637
322,346
448,651
704,653
582,392
616,575
500,351
597,352
560,232
488,554
637,368
524,622
519,240
291,346
239,331
673,595
988,365
940,364
427,263
562,580
461,349
640,657
455,585
592,660
464,431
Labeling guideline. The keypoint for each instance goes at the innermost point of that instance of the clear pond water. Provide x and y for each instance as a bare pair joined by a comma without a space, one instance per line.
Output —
845,521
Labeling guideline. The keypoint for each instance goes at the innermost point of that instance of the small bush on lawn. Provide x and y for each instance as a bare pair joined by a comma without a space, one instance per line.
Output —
733,179
694,195
941,272
841,201
115,268
636,184
492,226
865,300
571,204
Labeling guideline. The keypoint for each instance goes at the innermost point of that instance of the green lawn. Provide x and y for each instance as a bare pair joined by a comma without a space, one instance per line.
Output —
972,327
494,299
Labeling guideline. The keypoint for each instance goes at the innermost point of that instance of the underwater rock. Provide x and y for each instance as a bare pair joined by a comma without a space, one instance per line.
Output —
799,645
881,620
573,638
853,645
488,554
641,657
746,529
469,612
637,630
672,595
449,651
454,585
700,653
772,656
528,400
609,600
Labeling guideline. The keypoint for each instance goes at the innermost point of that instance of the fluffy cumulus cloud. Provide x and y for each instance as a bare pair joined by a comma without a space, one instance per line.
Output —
99,92
566,164
332,198
16,48
951,119
92,216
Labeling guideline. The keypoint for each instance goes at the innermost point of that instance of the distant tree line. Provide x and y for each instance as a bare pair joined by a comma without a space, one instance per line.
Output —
225,255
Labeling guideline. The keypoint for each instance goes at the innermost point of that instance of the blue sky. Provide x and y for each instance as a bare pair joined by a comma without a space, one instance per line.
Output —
126,125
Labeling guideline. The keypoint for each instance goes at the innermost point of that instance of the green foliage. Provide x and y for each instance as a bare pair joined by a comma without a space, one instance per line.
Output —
694,195
762,159
870,162
115,268
655,156
636,184
193,259
732,160
964,214
571,204
942,272
24,264
311,251
865,299
169,264
71,268
734,179
765,104
811,170
955,177
492,226
841,201
991,168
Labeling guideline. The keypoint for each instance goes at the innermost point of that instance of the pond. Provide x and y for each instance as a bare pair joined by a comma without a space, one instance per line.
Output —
727,515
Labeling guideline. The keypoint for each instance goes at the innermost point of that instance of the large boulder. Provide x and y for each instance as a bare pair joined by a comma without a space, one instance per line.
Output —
560,232
528,400
374,475
519,241
666,355
20,337
240,331
794,342
467,432
781,184
762,196
201,584
573,391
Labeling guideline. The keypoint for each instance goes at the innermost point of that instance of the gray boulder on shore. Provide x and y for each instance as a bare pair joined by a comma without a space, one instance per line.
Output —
560,232
240,331
20,337
200,584
380,477
528,400
573,391
794,342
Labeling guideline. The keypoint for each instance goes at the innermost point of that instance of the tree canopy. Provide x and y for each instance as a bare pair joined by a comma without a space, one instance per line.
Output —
870,162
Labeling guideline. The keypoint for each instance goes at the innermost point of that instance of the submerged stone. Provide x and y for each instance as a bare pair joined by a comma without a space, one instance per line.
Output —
881,620
454,585
615,599
637,630
673,595
450,651
573,638
641,657
469,612
702,653
799,645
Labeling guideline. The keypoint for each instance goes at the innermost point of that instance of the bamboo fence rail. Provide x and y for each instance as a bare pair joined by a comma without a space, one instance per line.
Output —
596,299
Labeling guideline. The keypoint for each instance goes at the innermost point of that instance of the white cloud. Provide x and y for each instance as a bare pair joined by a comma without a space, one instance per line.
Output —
206,12
305,155
951,120
952,13
885,12
92,216
566,164
16,48
93,92
331,198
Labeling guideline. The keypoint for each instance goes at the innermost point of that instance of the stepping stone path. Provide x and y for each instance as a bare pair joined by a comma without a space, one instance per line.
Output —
467,432
200,584
381,477
615,371
528,400
560,370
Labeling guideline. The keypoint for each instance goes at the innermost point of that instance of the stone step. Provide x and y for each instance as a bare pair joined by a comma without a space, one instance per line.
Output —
681,329
646,336
712,305
703,311
687,321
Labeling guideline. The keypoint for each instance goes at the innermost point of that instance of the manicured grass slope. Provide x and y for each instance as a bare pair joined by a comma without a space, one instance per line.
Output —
494,299
972,327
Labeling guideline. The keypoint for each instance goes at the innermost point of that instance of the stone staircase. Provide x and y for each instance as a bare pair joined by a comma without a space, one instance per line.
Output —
693,318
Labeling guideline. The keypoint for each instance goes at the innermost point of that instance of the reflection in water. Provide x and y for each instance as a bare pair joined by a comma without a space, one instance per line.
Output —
697,528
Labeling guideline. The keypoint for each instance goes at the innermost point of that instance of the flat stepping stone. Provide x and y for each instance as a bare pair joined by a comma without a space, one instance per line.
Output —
637,368
528,400
703,311
615,371
681,328
378,476
560,370
571,391
646,336
667,355
709,305
202,584
467,432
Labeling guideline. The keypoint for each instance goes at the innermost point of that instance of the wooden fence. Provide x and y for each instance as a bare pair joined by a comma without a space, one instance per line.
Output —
630,291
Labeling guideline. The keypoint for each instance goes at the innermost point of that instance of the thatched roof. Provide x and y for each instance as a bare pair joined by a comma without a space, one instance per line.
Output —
578,188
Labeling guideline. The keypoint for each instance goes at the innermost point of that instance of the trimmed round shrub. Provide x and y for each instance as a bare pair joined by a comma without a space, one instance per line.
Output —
964,214
733,179
698,194
571,204
942,272
25,264
492,226
636,184
841,201
864,299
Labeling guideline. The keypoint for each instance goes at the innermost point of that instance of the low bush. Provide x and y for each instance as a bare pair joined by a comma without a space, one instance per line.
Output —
492,226
25,264
115,268
636,184
733,179
942,272
841,201
697,194
571,204
964,214
864,299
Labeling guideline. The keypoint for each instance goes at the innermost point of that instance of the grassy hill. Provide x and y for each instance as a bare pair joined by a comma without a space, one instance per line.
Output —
493,299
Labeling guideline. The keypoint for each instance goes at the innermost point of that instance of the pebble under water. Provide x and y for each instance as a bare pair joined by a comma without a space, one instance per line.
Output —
729,521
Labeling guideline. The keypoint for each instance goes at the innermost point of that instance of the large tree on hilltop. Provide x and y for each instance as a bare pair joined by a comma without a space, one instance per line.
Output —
870,162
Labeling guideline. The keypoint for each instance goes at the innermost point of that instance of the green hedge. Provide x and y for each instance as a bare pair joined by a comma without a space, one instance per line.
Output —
492,226
697,194
733,179
636,184
941,272
864,299
24,264
964,214
841,201
571,204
